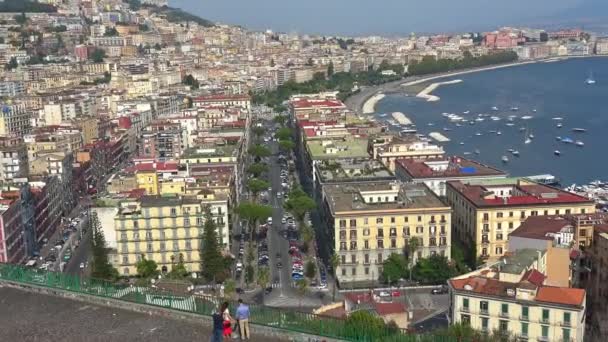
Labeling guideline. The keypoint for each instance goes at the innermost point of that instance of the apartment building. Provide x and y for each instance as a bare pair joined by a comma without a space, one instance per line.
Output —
242,101
161,227
487,211
435,172
15,120
371,221
388,148
13,159
597,283
511,297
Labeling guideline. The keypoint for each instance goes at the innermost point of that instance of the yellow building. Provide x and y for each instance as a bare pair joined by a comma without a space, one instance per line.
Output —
371,221
388,148
211,154
512,298
164,227
487,211
147,180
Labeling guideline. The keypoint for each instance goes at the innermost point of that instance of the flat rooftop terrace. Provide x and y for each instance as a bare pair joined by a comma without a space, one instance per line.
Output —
28,316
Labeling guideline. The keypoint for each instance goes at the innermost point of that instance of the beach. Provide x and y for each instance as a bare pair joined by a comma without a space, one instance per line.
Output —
370,105
426,93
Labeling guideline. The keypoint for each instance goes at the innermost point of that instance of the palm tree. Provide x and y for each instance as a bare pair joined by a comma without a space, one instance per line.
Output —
302,288
307,233
334,261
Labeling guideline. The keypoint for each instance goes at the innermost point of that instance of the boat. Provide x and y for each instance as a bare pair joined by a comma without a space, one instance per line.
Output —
544,179
458,125
466,153
478,134
521,129
498,133
383,115
526,117
466,112
495,109
579,143
495,118
531,136
461,143
567,140
514,109
408,131
510,124
579,130
559,125
557,152
533,110
446,129
590,79
479,119
510,150
527,141
505,159
431,124
477,151
558,138
558,118
515,153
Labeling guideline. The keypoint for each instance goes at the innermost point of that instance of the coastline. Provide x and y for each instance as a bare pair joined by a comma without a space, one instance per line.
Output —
369,107
427,92
358,101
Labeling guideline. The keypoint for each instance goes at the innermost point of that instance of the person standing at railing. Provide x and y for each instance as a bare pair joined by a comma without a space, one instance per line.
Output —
242,317
218,326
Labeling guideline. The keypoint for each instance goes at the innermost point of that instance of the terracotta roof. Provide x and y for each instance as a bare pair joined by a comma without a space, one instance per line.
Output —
560,295
307,103
534,277
537,227
221,98
458,167
389,308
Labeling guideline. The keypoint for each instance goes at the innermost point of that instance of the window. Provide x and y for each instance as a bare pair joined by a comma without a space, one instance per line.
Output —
353,271
162,246
186,222
393,219
465,319
393,243
544,331
366,244
406,231
546,212
342,223
366,258
125,260
379,258
524,312
510,214
343,259
380,232
486,227
503,326
582,211
484,324
353,245
342,246
365,221
566,335
556,211
486,216
522,214
367,271
534,213
365,232
499,225
499,250
583,232
510,225
188,245
499,215
353,259
419,218
380,244
545,315
465,303
379,220
342,235
504,309
343,271
524,329
498,237
483,307
149,247
353,234
173,212
419,230
566,318
405,219
353,223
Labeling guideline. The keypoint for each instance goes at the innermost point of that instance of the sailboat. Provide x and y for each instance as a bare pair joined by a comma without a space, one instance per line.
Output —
590,79
505,159
528,137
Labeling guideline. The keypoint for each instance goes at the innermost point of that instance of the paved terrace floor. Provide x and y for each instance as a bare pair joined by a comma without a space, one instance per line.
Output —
27,316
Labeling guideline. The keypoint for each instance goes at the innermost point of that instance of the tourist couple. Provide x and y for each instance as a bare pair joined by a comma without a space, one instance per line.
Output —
222,322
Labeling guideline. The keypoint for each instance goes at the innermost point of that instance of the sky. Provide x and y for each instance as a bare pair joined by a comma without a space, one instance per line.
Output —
385,17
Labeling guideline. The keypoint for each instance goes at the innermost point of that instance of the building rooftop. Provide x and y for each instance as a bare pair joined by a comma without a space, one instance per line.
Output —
345,170
215,150
380,196
350,147
541,227
513,192
312,103
447,167
517,262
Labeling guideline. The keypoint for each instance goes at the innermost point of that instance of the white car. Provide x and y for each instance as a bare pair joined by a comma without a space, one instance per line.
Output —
269,220
82,265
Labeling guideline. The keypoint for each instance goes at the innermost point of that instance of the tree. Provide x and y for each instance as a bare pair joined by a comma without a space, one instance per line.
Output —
310,62
256,169
280,119
283,134
272,63
178,271
191,81
367,324
110,32
12,64
101,267
393,269
134,5
308,235
299,203
435,269
249,273
157,47
286,145
212,262
21,19
263,277
334,261
330,69
310,269
253,213
259,131
229,288
259,151
97,55
302,288
256,185
146,269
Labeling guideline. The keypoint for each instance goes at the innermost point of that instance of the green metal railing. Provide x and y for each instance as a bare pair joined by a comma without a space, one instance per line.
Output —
281,319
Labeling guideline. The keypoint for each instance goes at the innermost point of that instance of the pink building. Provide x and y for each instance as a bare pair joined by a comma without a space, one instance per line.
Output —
503,40
81,52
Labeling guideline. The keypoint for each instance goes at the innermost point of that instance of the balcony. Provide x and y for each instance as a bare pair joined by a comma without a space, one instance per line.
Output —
524,318
484,312
543,338
485,242
544,321
503,314
566,324
443,233
465,309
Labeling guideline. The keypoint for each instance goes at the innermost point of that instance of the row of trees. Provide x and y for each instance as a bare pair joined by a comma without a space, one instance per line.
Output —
430,65
343,82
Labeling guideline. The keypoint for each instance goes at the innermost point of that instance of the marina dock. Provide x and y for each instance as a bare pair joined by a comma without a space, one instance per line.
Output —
439,137
426,93
401,118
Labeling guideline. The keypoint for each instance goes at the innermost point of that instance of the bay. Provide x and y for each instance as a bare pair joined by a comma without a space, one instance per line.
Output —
544,91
